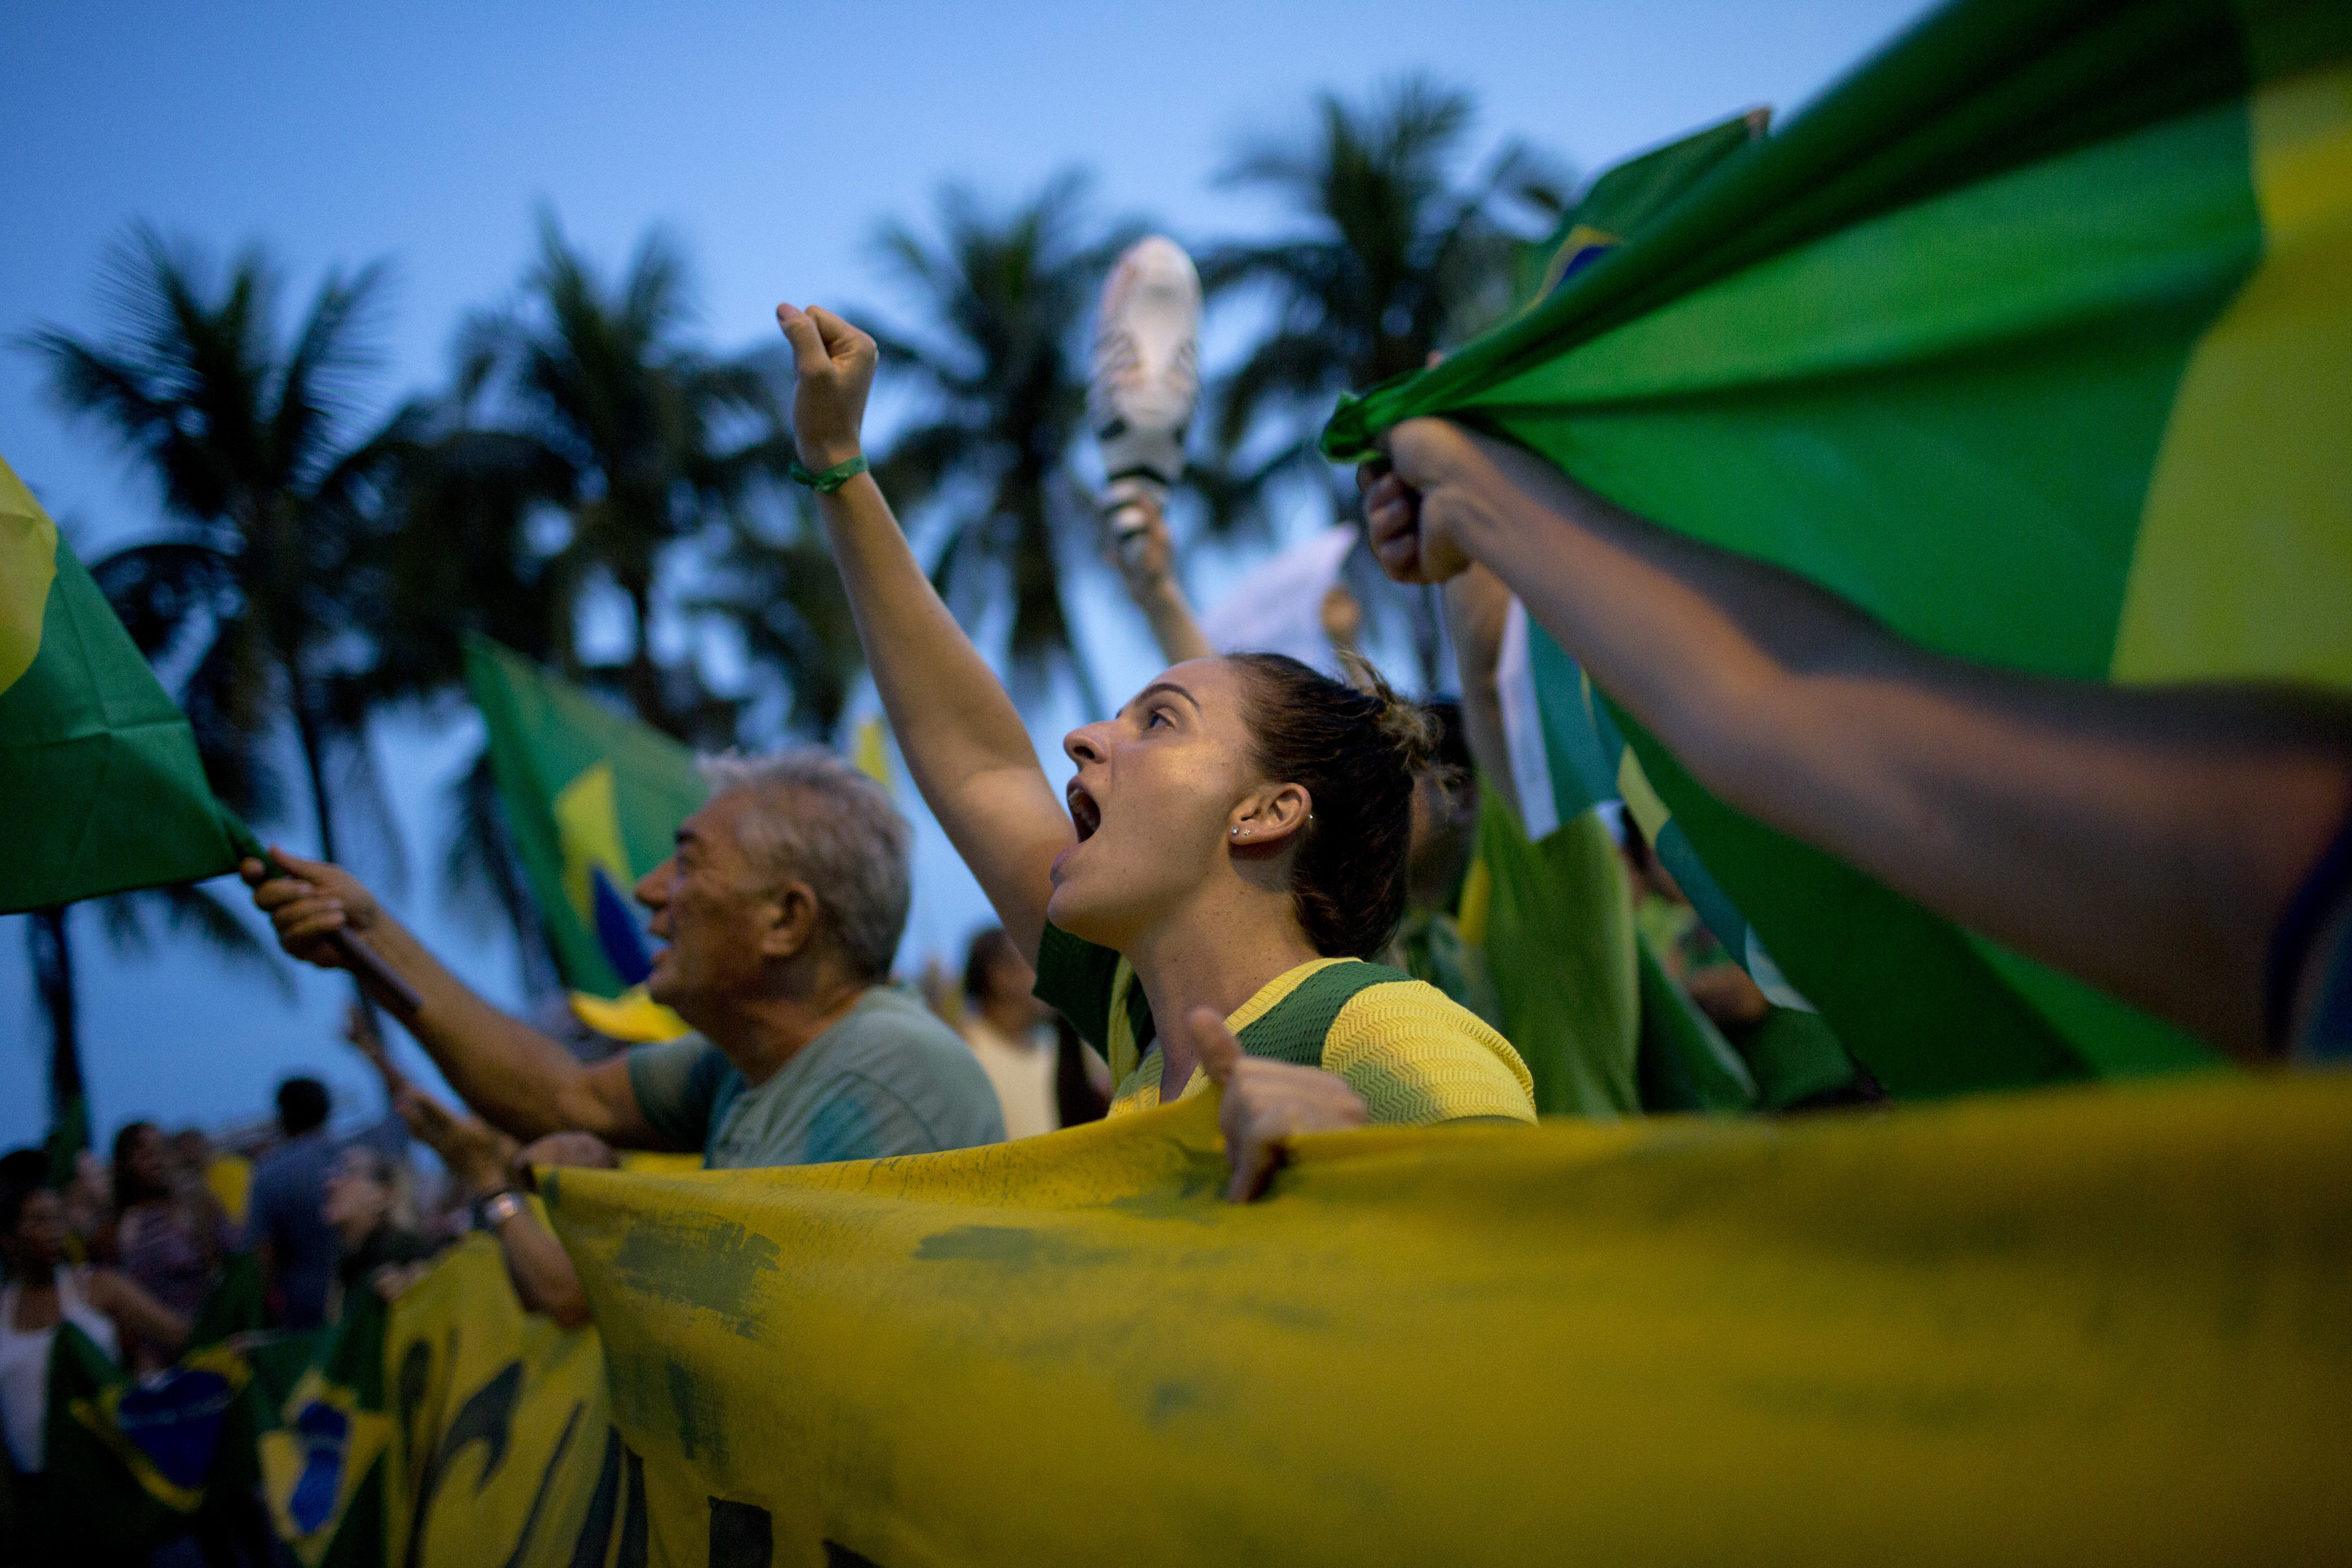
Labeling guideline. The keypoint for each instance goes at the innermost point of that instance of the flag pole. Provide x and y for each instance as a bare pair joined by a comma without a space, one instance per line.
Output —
380,979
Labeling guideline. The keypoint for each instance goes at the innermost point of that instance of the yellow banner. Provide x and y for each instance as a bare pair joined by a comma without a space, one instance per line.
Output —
500,1443
2110,1325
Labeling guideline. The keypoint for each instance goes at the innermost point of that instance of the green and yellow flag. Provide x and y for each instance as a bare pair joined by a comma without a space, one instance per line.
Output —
449,1428
592,801
2033,339
101,788
502,1449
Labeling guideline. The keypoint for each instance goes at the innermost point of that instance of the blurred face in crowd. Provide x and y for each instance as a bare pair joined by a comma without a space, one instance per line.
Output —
1153,802
38,1240
149,1160
191,1150
142,1166
358,1197
1444,836
714,911
93,1185
1007,986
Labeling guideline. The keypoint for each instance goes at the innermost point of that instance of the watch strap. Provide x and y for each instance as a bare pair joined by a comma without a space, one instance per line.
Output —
497,1208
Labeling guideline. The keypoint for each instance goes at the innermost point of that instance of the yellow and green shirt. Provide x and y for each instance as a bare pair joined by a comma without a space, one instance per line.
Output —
1416,1057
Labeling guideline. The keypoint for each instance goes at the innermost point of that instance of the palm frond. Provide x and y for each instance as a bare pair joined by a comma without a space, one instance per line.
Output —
483,878
1392,255
1287,365
332,351
187,910
1000,296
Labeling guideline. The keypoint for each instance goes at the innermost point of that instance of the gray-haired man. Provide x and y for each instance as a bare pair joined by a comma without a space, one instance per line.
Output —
782,908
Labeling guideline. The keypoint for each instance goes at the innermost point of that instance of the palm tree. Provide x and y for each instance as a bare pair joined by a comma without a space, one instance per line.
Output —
1393,260
127,920
452,549
264,493
781,587
1002,297
584,407
262,490
454,552
48,943
641,439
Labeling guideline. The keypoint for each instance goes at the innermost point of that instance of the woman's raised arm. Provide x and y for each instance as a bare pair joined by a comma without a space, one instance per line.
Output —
959,733
135,1312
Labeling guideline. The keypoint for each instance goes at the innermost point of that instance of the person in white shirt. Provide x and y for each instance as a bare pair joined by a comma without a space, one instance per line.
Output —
1011,1032
44,1291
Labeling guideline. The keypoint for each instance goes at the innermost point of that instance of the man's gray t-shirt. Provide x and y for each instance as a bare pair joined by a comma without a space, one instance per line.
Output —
889,1079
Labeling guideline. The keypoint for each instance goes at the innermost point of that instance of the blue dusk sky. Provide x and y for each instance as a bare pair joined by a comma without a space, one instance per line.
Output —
769,140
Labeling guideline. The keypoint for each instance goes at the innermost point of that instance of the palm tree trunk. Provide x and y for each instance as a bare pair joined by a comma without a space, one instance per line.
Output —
314,769
69,1094
1090,697
643,677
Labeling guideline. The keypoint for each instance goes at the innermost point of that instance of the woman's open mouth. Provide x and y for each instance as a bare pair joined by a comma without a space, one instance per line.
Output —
1084,815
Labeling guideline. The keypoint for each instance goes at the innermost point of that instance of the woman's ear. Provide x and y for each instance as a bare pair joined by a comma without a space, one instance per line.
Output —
1271,818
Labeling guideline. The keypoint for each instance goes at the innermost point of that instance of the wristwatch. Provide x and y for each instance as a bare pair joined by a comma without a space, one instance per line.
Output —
497,1208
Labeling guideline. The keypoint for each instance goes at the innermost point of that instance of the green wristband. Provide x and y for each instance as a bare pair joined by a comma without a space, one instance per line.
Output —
833,478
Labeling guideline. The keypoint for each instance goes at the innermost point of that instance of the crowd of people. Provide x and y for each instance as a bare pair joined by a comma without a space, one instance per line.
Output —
1249,883
129,1252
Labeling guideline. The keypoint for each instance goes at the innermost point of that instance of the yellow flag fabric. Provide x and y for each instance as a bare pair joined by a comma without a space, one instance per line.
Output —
500,1430
632,1016
28,564
2108,1326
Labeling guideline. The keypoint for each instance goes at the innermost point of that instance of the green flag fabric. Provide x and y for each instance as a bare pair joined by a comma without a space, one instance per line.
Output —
2032,338
1684,1061
1565,758
101,788
593,800
1558,934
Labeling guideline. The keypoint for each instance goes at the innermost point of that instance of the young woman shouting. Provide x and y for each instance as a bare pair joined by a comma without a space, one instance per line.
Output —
1201,902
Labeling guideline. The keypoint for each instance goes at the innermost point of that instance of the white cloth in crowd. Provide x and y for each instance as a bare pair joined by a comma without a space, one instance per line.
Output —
24,1365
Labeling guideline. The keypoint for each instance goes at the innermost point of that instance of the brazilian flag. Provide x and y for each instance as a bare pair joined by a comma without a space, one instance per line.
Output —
133,1463
592,801
2033,339
321,1441
100,789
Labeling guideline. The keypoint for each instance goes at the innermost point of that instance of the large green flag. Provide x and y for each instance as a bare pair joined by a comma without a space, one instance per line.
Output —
2033,339
101,788
593,800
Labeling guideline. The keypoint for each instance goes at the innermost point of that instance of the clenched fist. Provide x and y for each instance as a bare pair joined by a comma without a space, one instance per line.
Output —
833,371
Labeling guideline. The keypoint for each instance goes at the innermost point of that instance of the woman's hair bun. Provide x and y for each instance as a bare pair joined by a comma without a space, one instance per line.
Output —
1411,728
